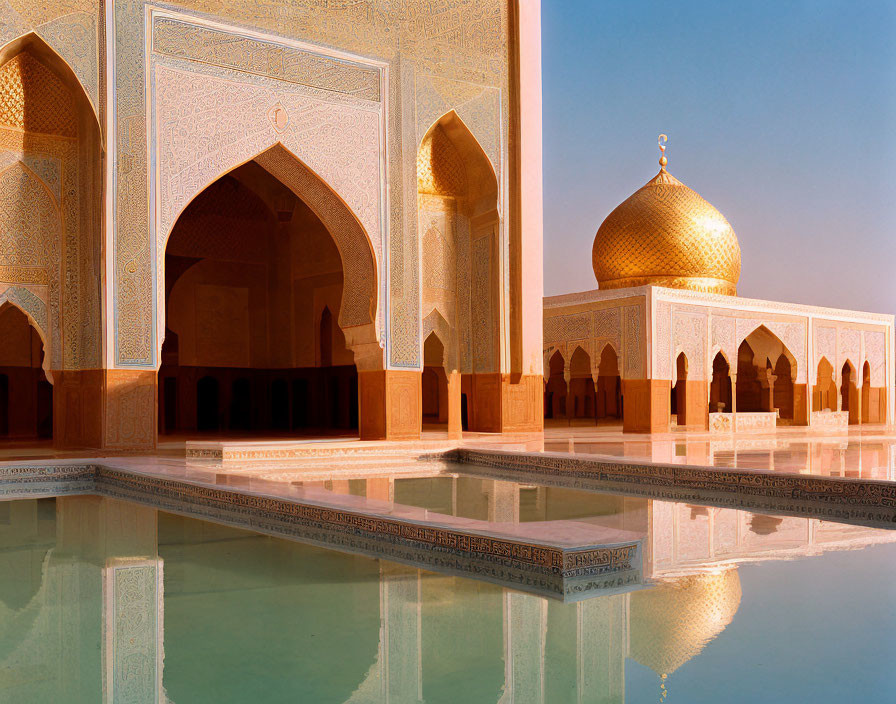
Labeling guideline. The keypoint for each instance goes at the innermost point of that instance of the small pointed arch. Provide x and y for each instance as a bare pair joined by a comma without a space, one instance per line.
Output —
433,350
435,322
35,47
719,352
866,374
557,364
609,361
580,363
452,162
35,310
825,370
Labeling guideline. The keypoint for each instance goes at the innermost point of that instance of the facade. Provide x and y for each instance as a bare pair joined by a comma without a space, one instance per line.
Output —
665,340
269,217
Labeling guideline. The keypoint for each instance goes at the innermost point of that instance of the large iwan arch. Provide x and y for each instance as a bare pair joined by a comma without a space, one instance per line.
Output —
257,265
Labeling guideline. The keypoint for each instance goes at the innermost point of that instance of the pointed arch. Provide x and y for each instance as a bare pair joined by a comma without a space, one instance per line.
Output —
763,341
35,310
580,362
435,322
35,44
358,309
721,395
450,132
824,395
608,385
556,389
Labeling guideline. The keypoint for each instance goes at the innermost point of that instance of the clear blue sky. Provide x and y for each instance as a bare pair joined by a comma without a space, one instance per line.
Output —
781,114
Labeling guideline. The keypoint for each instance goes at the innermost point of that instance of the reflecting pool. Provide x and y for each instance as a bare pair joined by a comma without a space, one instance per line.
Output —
106,601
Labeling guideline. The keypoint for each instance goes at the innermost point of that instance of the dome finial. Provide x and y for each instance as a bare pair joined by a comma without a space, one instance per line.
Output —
661,140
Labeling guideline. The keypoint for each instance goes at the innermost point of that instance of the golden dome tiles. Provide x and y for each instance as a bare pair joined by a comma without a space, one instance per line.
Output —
666,234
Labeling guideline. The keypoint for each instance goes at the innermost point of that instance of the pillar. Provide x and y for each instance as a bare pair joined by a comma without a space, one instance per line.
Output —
645,405
390,404
695,409
598,403
105,409
455,423
505,403
800,404
570,400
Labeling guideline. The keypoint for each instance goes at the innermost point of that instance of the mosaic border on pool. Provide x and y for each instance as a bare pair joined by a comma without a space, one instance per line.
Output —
543,569
861,501
33,482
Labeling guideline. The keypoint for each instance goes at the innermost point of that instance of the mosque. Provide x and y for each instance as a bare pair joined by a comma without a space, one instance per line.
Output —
273,219
268,218
665,340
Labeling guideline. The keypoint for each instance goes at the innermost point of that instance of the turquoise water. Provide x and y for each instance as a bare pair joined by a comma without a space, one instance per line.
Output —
98,595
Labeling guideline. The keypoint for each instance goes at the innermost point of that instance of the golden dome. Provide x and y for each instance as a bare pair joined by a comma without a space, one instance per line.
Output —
665,234
674,620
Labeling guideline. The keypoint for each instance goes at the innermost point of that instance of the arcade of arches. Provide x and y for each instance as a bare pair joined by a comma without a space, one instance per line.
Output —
577,391
763,380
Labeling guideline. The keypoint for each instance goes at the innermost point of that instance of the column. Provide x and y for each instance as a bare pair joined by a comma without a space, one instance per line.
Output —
390,404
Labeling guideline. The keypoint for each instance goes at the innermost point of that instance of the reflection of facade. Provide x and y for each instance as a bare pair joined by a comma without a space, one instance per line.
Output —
81,602
81,609
219,217
666,338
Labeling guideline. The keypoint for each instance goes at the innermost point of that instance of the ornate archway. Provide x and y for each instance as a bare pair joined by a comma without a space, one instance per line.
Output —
50,214
258,297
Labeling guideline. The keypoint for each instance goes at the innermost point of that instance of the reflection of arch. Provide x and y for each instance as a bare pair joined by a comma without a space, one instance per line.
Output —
359,298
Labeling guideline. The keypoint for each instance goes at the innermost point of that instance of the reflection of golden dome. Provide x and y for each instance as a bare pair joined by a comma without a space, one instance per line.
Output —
665,234
674,620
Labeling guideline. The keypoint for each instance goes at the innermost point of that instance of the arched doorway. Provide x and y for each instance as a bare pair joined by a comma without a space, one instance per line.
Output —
50,238
581,385
608,390
26,395
435,381
824,396
458,225
253,279
555,390
849,393
720,397
766,373
679,401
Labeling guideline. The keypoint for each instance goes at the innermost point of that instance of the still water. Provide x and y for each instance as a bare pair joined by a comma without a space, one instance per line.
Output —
105,601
